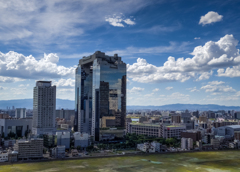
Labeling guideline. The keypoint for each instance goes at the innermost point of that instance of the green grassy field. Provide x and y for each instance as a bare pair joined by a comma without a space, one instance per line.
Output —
223,161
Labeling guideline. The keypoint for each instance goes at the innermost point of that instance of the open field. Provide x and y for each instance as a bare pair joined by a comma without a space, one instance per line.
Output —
222,161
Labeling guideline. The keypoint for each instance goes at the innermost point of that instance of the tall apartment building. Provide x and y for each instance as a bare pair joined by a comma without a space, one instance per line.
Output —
100,90
44,107
31,149
20,113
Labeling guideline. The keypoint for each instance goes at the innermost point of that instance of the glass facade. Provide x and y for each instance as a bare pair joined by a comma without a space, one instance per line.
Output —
100,92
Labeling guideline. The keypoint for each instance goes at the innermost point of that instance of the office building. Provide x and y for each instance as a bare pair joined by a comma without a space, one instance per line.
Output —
44,107
20,113
157,130
193,134
186,143
30,149
63,138
100,90
19,127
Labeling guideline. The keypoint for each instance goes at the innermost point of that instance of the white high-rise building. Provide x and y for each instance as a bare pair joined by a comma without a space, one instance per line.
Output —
44,107
20,113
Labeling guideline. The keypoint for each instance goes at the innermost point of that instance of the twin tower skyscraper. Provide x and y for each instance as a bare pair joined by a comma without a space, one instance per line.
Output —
100,94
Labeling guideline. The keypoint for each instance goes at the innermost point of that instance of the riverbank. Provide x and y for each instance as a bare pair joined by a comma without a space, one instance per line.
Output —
207,161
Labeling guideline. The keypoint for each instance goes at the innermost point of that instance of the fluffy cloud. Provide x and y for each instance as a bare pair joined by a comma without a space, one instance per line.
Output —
217,87
169,88
197,38
194,89
16,65
136,90
229,72
213,55
9,79
129,22
204,76
64,83
155,90
210,17
117,20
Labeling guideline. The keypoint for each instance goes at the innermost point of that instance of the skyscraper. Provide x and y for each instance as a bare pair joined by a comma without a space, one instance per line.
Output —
44,107
100,90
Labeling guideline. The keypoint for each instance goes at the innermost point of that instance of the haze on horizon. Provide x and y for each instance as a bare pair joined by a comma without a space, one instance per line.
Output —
176,51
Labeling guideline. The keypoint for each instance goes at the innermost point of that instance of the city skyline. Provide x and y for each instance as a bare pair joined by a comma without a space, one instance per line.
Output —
176,52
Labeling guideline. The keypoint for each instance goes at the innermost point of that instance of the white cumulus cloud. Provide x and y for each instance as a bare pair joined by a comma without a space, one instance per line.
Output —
217,86
118,20
169,88
136,90
210,17
155,90
15,65
212,55
64,83
129,22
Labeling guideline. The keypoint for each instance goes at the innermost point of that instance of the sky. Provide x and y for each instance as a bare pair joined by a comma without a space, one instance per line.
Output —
176,51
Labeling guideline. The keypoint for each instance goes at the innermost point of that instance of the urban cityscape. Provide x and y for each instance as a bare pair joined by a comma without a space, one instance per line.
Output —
126,113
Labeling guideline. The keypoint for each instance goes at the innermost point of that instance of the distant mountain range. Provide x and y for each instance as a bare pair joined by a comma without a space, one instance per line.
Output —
28,103
191,107
69,104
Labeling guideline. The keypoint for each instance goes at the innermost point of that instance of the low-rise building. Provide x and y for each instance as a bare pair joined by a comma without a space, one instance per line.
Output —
58,152
4,116
12,156
237,135
157,130
149,147
81,139
3,157
30,149
187,143
215,143
193,134
203,119
63,138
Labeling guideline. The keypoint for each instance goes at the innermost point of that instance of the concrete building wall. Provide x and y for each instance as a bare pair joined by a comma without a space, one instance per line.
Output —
17,126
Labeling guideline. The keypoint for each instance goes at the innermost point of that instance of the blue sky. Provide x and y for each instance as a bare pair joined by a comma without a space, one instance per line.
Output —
175,51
